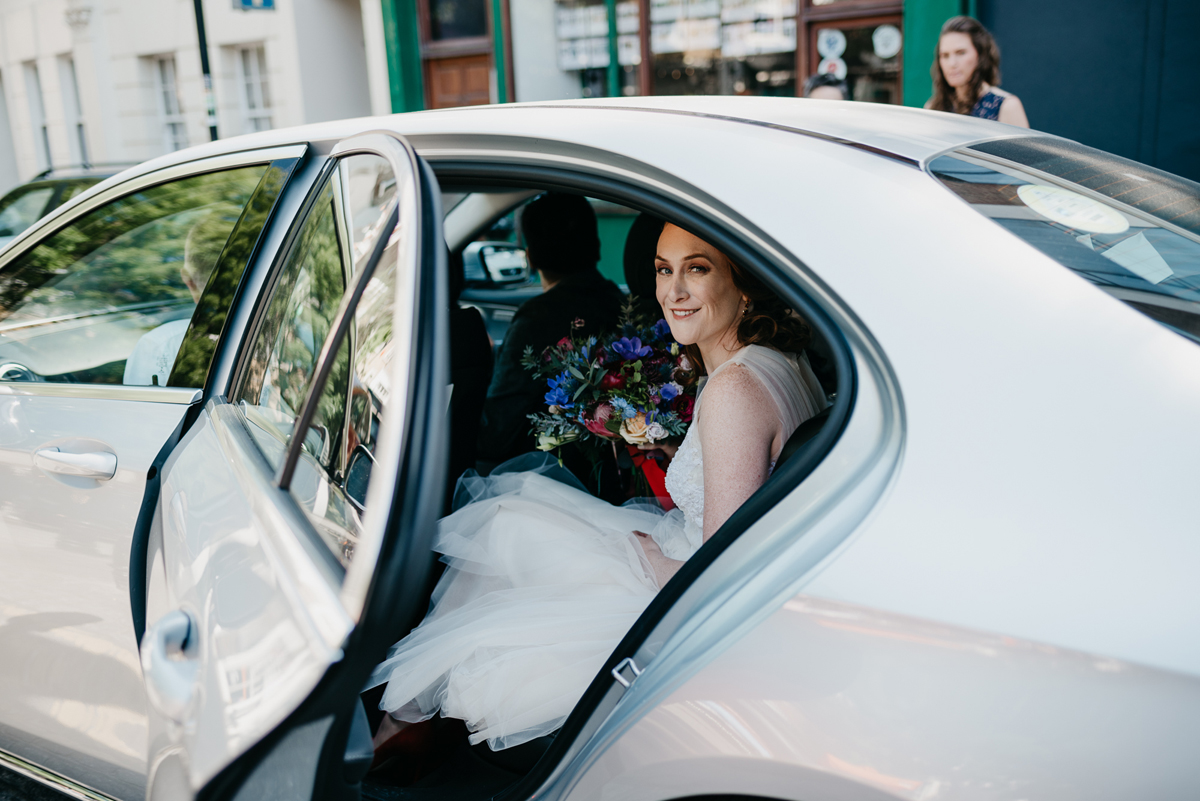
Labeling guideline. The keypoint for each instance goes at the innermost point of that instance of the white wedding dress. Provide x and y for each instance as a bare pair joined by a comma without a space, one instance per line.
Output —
544,580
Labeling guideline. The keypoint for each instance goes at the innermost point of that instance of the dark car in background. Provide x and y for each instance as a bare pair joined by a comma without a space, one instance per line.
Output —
26,204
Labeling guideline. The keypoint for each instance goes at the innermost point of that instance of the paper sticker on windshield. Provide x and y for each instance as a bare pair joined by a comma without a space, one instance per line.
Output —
1072,209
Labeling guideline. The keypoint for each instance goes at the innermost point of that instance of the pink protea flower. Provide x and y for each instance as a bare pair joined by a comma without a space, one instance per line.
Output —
599,417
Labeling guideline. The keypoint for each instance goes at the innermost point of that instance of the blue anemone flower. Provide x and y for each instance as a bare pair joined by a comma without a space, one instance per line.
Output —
630,348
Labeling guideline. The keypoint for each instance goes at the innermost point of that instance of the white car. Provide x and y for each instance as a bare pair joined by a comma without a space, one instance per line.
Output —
975,578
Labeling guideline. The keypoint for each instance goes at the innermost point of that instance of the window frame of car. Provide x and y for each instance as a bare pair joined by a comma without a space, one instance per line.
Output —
282,159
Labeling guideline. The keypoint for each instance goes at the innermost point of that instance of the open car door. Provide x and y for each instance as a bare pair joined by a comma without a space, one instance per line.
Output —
293,534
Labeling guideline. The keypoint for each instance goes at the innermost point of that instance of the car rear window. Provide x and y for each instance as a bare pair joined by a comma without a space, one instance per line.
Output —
1130,229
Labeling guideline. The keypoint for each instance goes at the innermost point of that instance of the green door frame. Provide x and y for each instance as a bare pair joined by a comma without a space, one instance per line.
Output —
403,43
402,39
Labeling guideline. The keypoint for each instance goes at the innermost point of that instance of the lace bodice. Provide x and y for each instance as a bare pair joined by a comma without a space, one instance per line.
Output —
685,482
798,396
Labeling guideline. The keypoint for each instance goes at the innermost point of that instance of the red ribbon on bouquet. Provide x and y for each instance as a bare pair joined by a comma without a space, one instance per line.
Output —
656,477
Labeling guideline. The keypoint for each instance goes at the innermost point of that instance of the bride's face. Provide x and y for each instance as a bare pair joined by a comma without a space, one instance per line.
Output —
695,288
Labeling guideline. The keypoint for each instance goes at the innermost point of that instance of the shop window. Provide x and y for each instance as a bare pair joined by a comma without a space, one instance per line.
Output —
585,44
861,41
731,47
723,47
457,19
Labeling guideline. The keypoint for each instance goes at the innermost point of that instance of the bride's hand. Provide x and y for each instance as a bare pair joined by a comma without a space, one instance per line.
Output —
664,567
666,449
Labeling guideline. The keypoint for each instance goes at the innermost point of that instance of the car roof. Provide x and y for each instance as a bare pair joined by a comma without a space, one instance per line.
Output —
913,135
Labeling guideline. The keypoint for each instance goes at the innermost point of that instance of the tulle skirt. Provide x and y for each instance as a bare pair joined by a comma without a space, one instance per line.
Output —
543,581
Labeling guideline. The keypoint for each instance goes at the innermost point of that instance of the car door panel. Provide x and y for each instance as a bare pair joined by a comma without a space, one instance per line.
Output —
79,453
256,569
264,601
68,660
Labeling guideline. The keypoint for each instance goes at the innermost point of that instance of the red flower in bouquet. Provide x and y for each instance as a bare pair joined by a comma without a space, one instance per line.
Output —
612,381
684,406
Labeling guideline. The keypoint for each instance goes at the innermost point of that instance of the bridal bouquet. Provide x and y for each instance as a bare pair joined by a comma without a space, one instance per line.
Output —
635,386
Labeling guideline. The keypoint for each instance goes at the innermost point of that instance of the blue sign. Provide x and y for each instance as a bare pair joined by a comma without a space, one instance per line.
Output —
250,5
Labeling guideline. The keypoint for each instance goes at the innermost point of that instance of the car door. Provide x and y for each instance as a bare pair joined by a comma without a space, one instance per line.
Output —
296,516
94,309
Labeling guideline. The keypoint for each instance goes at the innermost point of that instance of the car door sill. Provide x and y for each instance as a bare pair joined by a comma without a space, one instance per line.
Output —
50,779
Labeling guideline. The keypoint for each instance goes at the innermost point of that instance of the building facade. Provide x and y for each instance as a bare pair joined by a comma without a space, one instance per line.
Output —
120,81
1114,74
455,52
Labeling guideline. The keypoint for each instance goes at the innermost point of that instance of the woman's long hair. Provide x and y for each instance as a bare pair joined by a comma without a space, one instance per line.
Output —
945,97
768,320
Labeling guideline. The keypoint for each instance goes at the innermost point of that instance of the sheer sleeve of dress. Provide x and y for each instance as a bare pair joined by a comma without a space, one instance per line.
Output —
797,396
788,379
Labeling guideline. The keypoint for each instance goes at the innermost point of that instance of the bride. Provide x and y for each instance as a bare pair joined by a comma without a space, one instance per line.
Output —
544,579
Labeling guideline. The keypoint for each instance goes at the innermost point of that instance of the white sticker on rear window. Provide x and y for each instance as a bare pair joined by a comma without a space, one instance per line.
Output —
1072,209
1137,255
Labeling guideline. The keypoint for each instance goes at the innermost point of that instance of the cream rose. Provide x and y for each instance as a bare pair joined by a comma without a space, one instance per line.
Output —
634,430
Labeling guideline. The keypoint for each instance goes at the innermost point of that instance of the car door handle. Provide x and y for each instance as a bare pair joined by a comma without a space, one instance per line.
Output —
169,663
100,465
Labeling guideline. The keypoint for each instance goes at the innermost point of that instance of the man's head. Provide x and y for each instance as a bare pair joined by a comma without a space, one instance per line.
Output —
825,86
560,235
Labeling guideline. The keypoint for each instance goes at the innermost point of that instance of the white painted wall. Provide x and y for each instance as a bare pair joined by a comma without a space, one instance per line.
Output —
535,54
376,53
333,59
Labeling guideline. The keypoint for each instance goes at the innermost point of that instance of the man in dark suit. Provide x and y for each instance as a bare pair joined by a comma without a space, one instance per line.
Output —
562,244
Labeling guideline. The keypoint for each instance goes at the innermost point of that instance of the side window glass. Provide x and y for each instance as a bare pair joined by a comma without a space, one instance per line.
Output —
331,476
108,299
302,308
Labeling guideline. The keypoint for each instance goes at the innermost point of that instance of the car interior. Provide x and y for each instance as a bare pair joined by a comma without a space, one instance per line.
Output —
490,278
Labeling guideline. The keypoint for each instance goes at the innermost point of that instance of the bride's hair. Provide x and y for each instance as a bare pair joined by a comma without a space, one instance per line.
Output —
768,320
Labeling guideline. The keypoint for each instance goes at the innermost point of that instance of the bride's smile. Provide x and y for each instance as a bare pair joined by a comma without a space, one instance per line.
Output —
697,293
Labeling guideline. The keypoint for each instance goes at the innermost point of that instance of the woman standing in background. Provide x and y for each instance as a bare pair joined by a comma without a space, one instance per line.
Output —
966,69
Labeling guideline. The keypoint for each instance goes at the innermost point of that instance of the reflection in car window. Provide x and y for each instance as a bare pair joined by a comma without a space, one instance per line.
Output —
108,299
284,356
1129,229
330,483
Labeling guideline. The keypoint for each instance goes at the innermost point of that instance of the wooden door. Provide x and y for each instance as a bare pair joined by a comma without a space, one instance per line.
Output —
459,81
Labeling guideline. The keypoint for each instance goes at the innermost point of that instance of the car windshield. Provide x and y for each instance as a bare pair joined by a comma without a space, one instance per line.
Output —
1125,227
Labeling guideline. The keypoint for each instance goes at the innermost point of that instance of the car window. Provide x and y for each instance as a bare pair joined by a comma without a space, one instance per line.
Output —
108,299
350,407
303,303
1130,229
355,204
